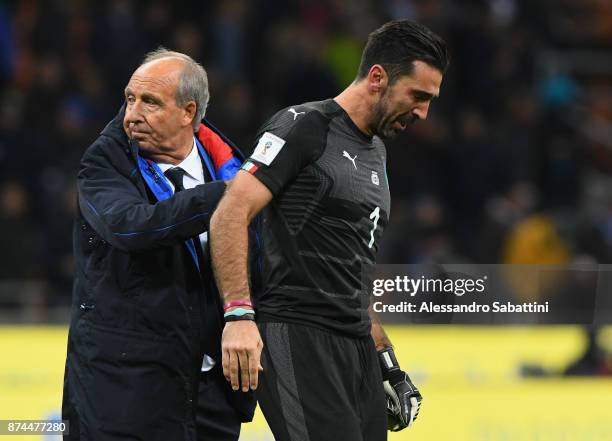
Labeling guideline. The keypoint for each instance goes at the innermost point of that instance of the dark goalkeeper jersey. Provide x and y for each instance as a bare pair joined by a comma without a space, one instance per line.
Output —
330,207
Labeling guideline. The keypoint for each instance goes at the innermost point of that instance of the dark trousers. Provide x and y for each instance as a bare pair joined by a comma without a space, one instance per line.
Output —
320,386
216,419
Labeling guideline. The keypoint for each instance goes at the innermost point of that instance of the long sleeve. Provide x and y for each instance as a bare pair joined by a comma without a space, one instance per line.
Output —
112,204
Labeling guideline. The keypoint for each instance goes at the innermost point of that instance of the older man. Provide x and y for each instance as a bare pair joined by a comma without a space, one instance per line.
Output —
146,317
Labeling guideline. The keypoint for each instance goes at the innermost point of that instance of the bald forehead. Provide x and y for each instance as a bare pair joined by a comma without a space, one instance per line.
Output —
157,76
156,79
169,67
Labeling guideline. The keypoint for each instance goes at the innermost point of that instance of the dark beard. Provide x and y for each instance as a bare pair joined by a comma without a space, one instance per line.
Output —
381,125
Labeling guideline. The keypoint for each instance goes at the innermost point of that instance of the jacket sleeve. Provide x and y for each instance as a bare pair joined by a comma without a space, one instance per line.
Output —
111,203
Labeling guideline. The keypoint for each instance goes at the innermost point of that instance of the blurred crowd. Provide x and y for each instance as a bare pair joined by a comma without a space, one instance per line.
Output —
513,165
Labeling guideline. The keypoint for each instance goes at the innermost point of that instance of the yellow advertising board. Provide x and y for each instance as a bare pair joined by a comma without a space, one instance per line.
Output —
470,378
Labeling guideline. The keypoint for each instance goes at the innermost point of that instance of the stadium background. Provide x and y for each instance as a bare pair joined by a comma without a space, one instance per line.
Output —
513,165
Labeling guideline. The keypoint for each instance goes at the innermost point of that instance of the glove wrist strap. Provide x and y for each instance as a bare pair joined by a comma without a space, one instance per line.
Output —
388,362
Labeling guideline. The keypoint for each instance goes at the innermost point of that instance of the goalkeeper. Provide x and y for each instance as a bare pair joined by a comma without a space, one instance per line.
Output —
318,174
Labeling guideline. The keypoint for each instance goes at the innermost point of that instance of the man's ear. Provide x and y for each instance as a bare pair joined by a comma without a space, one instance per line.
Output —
378,79
189,113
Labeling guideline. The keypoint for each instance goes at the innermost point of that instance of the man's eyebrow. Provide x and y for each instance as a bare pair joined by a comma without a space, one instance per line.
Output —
145,96
151,97
423,95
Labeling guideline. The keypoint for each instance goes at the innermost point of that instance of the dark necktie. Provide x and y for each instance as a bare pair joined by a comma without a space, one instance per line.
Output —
176,174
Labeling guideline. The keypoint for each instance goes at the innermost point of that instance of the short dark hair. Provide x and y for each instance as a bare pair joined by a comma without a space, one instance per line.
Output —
397,44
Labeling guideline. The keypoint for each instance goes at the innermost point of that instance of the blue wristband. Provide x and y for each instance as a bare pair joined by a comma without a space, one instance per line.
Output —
238,312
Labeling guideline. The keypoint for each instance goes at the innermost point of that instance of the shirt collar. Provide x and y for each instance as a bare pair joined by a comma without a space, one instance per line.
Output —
192,165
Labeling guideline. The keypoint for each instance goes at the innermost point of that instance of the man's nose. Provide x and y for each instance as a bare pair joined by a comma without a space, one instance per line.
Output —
133,113
422,110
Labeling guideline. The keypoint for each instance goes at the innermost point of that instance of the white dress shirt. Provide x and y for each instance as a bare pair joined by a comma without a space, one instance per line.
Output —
194,175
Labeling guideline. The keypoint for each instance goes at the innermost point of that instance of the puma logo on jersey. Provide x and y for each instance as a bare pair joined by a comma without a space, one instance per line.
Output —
345,154
295,113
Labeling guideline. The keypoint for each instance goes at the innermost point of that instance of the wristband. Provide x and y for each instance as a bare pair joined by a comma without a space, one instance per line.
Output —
234,318
239,312
233,303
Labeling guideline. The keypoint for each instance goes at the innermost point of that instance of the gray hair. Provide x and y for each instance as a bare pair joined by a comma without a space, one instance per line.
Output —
193,81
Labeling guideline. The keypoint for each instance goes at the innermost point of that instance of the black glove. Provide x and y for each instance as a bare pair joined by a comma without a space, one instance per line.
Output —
403,398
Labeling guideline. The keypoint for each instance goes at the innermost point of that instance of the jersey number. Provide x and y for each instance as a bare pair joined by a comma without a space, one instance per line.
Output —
374,215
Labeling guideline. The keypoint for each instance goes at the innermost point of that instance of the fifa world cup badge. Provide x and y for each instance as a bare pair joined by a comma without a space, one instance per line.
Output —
266,147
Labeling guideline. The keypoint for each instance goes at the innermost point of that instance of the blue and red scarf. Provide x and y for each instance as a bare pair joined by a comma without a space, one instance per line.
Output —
221,157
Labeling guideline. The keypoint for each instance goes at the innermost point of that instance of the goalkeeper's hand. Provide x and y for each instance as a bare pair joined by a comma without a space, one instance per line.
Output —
403,398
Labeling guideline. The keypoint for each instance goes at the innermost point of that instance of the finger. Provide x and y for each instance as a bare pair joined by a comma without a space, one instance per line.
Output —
254,368
244,370
259,351
414,408
225,363
233,368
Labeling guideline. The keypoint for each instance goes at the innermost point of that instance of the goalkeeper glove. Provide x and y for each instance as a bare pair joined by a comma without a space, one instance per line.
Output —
403,398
